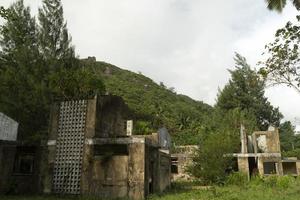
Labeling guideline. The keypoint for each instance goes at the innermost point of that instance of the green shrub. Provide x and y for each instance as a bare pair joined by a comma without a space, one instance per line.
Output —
285,181
256,181
237,178
281,182
270,181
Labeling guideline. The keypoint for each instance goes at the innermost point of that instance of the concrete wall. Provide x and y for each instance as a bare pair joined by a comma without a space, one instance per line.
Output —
134,172
184,156
115,176
14,182
272,141
7,156
243,165
276,160
111,113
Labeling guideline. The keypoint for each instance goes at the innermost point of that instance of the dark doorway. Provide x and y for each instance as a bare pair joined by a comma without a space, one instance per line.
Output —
174,165
253,170
151,170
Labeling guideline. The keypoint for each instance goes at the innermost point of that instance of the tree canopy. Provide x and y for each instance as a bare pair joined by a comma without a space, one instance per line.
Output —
278,5
245,90
282,65
32,76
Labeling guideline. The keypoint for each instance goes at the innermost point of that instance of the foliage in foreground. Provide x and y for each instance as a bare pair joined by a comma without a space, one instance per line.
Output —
269,188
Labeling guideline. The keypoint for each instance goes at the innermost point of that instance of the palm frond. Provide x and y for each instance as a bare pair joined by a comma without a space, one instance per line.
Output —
297,4
278,5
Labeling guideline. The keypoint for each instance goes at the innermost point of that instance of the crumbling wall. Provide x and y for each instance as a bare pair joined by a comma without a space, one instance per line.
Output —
113,164
269,140
181,159
269,159
110,114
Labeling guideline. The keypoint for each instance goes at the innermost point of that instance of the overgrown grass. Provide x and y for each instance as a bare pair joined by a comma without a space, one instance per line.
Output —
238,188
235,188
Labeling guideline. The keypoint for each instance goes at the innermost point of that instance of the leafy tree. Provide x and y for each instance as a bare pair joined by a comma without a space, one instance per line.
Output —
245,90
278,5
21,72
3,12
282,64
212,161
287,136
29,82
55,41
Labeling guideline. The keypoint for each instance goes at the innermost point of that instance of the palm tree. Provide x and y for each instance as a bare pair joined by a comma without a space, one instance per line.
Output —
278,5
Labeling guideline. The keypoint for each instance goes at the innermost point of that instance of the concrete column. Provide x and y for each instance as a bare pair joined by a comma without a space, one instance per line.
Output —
260,166
88,151
298,167
136,171
48,167
243,165
244,147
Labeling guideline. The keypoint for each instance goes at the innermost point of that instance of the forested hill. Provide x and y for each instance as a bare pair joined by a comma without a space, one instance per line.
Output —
154,104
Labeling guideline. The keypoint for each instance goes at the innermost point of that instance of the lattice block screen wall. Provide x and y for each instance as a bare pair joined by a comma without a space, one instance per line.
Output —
69,147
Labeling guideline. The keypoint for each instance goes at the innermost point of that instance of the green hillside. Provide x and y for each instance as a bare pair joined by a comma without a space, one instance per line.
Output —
154,105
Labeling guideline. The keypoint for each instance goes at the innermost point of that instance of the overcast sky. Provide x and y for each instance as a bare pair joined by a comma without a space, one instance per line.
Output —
187,44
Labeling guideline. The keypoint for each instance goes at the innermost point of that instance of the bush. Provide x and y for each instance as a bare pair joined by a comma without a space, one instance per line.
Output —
285,181
282,182
270,181
256,180
237,178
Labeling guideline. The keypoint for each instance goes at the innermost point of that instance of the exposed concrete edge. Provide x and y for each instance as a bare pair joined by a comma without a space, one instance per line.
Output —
51,142
100,141
244,155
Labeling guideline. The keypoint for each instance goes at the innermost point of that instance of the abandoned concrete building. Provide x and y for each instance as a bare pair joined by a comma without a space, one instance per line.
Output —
261,155
181,158
90,151
19,162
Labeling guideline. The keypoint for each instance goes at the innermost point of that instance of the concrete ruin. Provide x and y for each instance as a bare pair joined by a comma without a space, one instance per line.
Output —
19,163
181,158
91,152
261,155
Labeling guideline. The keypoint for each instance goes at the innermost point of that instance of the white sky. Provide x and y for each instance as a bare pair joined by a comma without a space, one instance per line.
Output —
187,44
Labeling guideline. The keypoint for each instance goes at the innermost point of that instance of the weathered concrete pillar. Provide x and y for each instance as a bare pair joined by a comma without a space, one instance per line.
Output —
136,169
244,146
279,168
88,151
298,167
260,166
243,165
50,151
